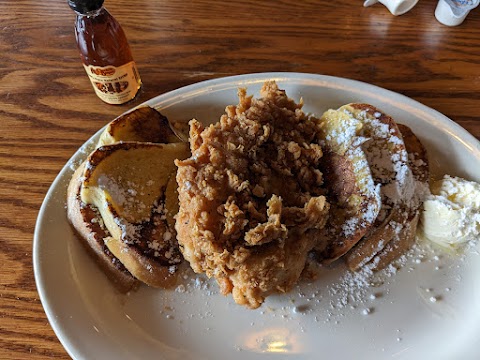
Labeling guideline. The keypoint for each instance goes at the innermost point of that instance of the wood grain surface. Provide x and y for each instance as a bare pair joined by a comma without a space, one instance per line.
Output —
48,108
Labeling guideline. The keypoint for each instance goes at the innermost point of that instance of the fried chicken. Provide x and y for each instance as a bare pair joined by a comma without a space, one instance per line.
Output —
251,196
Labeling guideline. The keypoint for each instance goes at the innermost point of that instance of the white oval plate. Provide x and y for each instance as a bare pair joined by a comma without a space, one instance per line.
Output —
429,310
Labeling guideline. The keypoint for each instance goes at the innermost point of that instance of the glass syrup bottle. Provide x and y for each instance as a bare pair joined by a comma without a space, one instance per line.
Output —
105,52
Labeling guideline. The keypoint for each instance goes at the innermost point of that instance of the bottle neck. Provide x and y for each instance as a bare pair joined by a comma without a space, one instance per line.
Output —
92,13
101,40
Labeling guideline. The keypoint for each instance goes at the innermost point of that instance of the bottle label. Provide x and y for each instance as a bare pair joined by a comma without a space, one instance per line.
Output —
114,85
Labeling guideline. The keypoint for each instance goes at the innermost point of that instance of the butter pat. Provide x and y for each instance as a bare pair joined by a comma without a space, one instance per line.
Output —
451,215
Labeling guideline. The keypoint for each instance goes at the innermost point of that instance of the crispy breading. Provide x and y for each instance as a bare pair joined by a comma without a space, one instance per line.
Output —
251,197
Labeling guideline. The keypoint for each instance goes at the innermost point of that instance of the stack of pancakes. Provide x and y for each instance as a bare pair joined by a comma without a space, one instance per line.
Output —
121,201
377,176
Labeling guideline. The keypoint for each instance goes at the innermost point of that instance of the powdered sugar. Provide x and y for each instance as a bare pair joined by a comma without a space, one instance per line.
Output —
386,154
129,232
358,290
350,226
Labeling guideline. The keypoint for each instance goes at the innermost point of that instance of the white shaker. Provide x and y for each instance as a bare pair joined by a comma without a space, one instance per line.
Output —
396,7
453,12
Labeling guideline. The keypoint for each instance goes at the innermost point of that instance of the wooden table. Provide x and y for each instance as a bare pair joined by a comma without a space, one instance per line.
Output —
48,108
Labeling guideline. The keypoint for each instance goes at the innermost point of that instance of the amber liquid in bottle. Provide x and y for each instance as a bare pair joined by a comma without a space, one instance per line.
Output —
107,57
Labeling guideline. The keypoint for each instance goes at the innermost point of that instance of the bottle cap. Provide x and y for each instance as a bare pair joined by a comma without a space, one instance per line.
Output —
85,6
